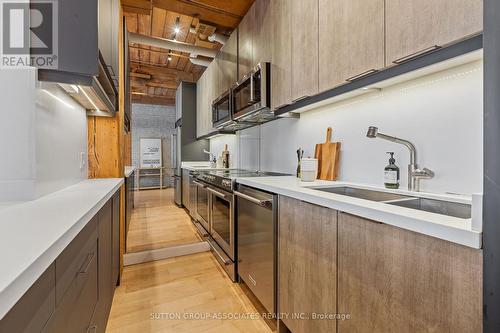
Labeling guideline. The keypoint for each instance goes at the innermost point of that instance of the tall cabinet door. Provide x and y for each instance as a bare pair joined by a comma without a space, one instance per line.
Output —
281,64
228,63
263,31
416,26
200,105
304,48
245,43
307,260
394,280
351,40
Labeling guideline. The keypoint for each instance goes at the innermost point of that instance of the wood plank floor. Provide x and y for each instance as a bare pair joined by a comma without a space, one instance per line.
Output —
156,222
193,284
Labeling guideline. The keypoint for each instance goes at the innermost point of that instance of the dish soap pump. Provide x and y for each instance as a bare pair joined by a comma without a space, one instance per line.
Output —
391,173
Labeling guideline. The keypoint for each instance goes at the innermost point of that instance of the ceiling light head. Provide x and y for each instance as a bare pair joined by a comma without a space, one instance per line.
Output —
169,58
177,30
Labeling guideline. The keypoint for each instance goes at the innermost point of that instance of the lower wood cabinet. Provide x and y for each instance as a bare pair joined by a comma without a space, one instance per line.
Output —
385,279
307,274
395,280
75,293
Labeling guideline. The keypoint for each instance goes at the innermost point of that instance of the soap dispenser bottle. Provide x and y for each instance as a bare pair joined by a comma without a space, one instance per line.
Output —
391,173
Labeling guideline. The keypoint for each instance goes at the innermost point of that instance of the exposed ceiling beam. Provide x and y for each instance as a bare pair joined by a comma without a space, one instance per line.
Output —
167,84
161,71
153,100
141,75
137,6
202,11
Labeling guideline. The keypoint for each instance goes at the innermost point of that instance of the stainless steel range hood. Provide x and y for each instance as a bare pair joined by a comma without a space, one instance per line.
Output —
97,94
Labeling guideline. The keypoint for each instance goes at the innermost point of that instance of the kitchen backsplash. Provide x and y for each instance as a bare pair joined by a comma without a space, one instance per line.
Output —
442,114
43,137
217,146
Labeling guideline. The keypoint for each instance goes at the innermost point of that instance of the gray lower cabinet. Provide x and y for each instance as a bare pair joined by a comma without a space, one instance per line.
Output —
75,293
34,309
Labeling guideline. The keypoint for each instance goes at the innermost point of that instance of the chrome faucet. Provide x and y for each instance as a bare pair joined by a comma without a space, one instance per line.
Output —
414,173
211,158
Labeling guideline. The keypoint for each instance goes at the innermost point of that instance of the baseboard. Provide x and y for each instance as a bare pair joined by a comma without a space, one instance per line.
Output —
165,253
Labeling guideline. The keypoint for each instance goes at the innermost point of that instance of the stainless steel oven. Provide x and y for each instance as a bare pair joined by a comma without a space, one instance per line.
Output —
222,219
251,98
222,111
202,201
222,229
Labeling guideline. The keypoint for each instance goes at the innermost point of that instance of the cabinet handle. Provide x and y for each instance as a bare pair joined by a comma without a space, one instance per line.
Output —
92,329
281,106
361,75
199,184
262,203
217,193
416,54
299,98
86,264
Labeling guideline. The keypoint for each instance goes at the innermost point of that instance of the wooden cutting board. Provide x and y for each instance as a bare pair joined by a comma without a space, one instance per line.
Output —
328,155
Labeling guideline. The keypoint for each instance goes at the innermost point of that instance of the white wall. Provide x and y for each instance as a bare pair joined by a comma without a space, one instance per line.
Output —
217,147
442,114
60,140
41,138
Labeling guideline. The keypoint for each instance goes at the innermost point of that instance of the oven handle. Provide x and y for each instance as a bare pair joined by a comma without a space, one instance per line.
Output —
262,203
217,193
199,184
224,261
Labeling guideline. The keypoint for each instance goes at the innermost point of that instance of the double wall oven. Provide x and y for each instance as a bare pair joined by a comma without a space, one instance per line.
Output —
215,213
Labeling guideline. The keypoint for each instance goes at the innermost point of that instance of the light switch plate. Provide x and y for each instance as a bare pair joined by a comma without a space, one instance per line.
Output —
83,160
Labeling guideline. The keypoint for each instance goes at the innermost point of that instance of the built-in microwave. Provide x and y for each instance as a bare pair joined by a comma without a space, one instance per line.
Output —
221,110
251,98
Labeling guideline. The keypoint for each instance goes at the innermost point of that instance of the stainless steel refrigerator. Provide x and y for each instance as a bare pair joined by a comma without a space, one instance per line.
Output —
185,147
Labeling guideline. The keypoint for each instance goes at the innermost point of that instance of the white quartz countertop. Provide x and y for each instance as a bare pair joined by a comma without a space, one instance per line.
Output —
34,233
128,170
449,228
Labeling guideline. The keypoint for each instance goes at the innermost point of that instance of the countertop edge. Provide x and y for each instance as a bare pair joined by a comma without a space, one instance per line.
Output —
13,292
469,238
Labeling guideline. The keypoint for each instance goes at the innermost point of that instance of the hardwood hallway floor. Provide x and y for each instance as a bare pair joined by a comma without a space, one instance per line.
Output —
192,285
156,222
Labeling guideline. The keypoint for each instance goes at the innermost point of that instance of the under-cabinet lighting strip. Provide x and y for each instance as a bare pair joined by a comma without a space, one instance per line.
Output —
91,102
60,100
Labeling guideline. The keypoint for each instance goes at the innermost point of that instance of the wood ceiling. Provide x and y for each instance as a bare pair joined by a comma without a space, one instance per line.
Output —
154,78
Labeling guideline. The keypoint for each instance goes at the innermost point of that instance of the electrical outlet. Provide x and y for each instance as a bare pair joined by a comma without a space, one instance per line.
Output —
83,160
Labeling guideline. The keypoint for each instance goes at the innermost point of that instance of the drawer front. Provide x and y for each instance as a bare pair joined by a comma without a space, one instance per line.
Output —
33,310
74,257
76,308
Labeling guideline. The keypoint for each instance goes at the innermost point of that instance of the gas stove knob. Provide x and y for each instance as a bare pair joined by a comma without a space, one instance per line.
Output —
226,183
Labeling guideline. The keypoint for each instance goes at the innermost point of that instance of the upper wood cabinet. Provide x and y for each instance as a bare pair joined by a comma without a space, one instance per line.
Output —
228,63
206,92
245,43
416,26
304,48
394,280
281,49
307,260
351,40
263,32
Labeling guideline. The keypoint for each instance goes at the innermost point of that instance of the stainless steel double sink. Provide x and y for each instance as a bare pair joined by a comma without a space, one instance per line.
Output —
442,207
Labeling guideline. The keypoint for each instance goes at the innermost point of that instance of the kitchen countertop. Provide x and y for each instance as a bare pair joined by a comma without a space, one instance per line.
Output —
199,166
449,228
128,170
34,233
